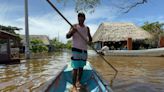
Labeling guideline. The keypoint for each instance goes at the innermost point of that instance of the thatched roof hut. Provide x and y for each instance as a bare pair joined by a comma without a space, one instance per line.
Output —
119,32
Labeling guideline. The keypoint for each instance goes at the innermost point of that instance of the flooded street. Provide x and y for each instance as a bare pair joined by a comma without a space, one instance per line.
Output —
28,76
136,74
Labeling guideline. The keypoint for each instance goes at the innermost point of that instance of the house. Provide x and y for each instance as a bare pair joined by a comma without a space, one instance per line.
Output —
9,47
118,35
44,38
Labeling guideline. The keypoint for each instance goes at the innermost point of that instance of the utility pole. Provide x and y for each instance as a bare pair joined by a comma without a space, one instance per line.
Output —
27,51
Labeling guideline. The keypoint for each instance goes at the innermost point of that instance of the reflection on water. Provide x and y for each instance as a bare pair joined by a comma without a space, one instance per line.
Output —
31,74
136,74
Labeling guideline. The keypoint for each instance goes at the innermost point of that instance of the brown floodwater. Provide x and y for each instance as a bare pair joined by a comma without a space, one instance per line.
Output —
135,74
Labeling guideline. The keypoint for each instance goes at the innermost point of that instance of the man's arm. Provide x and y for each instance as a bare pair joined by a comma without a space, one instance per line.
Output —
71,32
89,35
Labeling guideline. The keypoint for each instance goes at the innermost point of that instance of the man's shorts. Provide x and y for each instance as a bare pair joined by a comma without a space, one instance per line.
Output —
79,58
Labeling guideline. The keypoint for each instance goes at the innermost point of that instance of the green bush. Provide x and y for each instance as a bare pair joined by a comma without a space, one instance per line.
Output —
37,46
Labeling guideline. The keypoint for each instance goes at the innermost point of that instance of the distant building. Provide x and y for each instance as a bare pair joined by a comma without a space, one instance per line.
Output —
44,38
116,35
9,47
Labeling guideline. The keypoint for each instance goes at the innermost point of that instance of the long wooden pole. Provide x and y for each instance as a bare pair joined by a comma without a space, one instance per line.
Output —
116,71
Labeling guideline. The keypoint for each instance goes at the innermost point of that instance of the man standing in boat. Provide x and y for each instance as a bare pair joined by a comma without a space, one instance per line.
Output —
81,36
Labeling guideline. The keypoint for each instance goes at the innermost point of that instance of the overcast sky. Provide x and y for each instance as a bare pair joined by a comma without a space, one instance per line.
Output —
43,20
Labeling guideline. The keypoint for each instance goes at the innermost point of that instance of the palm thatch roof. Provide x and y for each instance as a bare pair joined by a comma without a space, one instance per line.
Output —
43,38
119,32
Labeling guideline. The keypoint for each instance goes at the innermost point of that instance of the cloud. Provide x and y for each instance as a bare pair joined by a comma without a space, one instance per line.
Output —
140,21
8,7
9,12
103,13
52,24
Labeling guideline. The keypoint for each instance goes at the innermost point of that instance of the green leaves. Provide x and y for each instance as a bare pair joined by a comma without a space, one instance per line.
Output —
156,29
68,45
9,29
37,46
57,44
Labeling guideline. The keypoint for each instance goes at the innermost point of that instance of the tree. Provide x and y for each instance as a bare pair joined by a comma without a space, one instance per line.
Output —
9,29
127,5
37,46
68,45
57,44
90,5
156,29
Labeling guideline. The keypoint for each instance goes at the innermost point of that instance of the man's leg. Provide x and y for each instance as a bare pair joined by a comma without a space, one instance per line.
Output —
74,78
80,74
